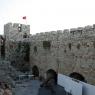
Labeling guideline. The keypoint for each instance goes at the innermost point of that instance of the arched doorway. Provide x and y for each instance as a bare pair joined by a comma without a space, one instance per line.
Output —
35,71
77,76
51,74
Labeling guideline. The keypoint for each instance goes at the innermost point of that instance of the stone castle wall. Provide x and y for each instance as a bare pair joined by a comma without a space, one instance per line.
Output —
66,51
70,51
13,33
16,31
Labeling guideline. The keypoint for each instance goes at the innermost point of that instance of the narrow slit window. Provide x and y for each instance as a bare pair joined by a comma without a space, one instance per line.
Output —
78,46
46,44
70,46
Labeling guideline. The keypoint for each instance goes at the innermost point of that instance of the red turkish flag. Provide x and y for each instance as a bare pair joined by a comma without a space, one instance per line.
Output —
24,17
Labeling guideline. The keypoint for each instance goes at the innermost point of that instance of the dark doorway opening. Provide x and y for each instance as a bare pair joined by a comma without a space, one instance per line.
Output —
77,76
51,74
2,47
35,71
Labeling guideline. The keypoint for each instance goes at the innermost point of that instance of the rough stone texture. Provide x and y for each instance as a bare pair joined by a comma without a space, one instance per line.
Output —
16,44
71,50
6,70
13,35
12,31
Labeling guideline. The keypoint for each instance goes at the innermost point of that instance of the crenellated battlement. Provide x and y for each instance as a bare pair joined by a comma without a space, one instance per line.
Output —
16,31
65,51
66,33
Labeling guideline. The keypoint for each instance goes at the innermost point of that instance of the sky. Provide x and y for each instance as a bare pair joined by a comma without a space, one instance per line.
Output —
48,15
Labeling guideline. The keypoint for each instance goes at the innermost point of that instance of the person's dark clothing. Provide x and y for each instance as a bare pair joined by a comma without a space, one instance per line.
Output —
54,90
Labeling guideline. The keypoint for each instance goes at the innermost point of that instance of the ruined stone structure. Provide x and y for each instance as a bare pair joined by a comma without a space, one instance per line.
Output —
14,33
17,48
65,51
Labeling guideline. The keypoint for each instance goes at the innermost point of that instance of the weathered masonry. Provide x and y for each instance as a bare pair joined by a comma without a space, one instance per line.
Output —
65,51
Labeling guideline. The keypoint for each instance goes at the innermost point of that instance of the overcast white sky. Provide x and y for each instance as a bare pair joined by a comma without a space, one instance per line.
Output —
48,15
